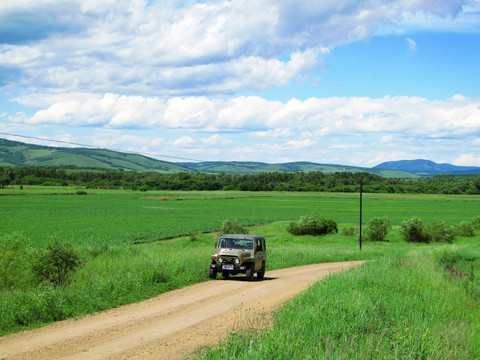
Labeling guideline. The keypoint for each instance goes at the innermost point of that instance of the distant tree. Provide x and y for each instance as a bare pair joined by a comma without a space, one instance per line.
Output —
4,181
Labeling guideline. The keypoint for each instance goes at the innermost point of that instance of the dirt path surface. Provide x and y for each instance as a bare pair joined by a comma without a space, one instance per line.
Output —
170,326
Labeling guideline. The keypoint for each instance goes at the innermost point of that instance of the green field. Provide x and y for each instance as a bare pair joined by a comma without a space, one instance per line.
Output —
126,217
121,238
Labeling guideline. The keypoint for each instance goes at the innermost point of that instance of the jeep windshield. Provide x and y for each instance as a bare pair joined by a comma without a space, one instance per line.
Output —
228,243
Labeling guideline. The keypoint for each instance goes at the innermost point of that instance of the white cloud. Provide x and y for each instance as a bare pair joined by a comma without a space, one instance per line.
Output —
216,141
185,141
412,45
301,143
386,139
211,47
454,117
468,160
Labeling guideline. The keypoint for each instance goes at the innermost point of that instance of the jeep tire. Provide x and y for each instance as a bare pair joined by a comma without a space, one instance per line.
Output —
212,273
261,273
249,273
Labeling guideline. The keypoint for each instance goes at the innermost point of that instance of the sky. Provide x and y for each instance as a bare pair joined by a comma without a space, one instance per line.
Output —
335,82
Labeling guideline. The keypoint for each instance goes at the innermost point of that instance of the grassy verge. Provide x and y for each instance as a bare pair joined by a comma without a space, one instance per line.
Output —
390,308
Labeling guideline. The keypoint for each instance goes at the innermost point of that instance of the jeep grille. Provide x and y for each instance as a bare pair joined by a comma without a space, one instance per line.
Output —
228,259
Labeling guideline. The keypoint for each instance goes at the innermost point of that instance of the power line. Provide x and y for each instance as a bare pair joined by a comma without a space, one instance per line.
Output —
104,148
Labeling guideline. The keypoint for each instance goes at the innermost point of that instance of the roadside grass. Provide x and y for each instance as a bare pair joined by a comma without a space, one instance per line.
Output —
389,308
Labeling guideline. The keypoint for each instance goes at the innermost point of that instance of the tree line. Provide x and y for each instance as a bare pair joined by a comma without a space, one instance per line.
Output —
272,181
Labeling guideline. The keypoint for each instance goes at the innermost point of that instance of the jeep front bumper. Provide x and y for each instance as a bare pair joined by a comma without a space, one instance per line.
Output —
229,268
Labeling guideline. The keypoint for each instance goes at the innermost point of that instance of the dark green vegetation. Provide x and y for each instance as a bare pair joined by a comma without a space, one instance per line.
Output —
274,181
378,228
312,225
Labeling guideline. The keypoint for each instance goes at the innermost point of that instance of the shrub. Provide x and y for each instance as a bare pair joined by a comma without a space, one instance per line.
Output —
465,228
378,228
312,225
476,222
440,232
445,257
193,236
13,253
350,231
56,263
413,230
232,227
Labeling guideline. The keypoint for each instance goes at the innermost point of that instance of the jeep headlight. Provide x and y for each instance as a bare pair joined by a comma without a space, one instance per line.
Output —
237,261
220,260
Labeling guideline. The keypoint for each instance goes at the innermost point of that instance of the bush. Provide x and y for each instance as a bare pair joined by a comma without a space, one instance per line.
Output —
413,230
378,228
232,227
350,231
56,263
312,225
13,255
193,236
440,232
476,222
464,229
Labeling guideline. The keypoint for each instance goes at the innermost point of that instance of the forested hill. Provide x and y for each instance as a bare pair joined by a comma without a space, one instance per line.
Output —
14,153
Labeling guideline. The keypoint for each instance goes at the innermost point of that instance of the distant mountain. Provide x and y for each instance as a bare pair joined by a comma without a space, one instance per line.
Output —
14,153
246,167
423,167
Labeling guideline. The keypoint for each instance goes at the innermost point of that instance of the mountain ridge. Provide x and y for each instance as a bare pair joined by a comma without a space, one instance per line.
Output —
15,153
419,166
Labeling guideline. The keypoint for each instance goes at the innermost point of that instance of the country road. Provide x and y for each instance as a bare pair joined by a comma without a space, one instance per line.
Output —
172,325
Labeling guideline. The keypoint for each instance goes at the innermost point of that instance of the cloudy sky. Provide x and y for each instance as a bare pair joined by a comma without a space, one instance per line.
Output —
341,82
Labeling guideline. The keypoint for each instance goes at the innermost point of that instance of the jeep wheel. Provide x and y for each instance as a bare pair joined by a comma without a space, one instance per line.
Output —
225,275
212,273
249,273
261,273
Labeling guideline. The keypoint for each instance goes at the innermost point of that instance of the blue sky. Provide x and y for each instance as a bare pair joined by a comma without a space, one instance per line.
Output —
344,82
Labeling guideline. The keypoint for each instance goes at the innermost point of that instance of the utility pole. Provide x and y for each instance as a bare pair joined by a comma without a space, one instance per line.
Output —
361,190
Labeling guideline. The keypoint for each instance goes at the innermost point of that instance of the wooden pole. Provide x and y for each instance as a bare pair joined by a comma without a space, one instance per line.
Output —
361,190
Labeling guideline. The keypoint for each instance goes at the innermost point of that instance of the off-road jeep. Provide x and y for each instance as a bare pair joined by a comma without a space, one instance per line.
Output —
239,254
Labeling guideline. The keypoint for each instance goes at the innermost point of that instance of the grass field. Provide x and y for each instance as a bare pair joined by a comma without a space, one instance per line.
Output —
118,217
384,308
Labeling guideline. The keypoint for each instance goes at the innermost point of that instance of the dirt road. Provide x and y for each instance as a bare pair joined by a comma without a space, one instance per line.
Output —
170,326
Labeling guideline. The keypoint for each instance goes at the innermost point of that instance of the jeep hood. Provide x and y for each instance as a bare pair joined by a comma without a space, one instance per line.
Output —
239,252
